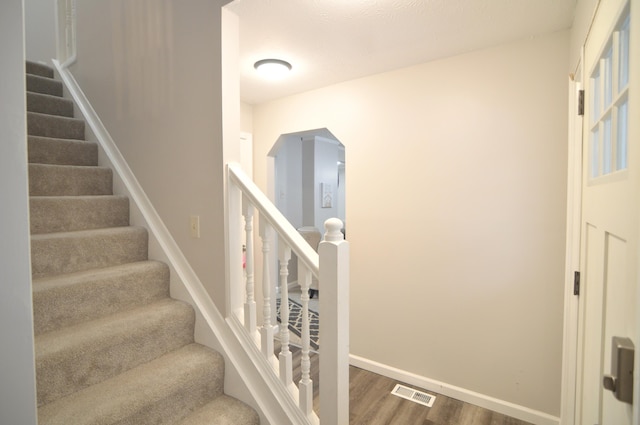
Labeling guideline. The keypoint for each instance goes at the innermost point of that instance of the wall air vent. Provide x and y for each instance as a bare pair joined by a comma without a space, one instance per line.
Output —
414,395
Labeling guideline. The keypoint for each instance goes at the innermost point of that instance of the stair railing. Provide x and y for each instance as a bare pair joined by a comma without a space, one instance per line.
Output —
330,265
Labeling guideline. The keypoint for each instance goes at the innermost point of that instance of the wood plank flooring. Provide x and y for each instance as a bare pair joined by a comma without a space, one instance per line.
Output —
371,402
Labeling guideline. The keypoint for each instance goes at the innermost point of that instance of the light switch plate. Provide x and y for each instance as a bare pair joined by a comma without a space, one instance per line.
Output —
194,226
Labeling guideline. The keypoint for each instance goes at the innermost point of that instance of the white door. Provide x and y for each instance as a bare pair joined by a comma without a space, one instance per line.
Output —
610,210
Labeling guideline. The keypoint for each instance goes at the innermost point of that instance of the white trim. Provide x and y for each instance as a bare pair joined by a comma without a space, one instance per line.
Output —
572,256
293,285
634,65
501,406
265,401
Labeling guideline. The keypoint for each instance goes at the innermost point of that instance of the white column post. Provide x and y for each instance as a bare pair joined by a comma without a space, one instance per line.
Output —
286,368
334,326
266,332
250,302
306,383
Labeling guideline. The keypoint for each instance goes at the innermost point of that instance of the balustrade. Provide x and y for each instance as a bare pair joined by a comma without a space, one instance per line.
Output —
329,266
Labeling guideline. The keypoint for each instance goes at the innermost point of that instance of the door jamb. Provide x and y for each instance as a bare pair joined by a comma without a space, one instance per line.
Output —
572,258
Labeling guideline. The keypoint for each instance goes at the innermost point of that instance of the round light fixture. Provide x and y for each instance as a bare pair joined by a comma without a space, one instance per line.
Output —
273,69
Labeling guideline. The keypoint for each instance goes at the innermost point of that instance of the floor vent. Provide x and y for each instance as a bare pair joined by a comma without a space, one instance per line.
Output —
414,395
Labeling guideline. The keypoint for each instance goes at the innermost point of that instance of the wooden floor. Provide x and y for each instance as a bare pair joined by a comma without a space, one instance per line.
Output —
371,402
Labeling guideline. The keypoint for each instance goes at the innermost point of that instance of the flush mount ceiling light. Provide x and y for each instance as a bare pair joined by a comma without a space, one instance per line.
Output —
273,69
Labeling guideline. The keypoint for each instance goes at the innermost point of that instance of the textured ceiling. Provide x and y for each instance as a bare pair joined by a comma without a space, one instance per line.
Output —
329,41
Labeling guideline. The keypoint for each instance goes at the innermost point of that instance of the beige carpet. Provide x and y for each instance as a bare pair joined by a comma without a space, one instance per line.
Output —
111,346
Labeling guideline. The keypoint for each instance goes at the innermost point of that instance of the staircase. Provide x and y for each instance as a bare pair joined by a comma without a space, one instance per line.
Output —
111,346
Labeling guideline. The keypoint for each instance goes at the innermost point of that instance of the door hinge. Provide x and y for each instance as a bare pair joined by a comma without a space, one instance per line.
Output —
580,102
576,283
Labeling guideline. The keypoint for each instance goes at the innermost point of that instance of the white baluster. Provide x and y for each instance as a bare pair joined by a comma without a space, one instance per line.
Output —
250,302
266,331
286,368
306,383
334,326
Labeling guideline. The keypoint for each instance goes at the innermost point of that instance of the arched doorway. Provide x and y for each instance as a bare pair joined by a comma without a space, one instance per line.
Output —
306,180
309,177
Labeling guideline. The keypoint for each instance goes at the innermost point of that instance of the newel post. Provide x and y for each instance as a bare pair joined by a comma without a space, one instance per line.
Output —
334,325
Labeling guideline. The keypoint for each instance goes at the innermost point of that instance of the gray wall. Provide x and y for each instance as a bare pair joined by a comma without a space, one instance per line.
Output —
17,371
156,85
40,30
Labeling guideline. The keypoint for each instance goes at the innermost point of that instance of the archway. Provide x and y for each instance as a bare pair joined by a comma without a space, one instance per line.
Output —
308,178
307,172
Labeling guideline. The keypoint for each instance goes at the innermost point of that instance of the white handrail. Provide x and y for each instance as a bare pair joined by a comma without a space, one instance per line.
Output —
280,224
330,266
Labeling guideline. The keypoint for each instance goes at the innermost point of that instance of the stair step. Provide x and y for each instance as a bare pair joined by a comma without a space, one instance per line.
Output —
54,126
48,104
46,85
111,346
160,392
48,150
69,299
223,410
40,69
50,214
67,252
73,358
69,180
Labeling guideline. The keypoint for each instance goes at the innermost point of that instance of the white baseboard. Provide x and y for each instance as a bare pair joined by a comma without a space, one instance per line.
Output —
462,394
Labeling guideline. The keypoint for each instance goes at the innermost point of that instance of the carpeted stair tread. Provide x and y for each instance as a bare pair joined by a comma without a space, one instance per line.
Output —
69,180
49,214
48,104
56,151
75,357
40,69
223,410
112,347
69,299
46,85
54,126
160,392
67,252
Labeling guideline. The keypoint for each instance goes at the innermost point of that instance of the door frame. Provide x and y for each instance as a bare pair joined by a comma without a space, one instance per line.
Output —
572,256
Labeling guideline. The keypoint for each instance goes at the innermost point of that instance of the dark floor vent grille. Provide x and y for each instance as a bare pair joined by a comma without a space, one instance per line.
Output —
413,395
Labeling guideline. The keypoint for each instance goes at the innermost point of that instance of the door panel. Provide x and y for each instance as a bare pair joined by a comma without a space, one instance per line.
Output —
592,312
610,210
619,305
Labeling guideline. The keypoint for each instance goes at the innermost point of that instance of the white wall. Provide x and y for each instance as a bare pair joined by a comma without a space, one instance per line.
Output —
246,118
152,70
288,180
325,170
17,368
456,213
40,30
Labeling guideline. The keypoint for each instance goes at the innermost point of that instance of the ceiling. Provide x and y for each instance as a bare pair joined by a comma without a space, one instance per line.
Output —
330,41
